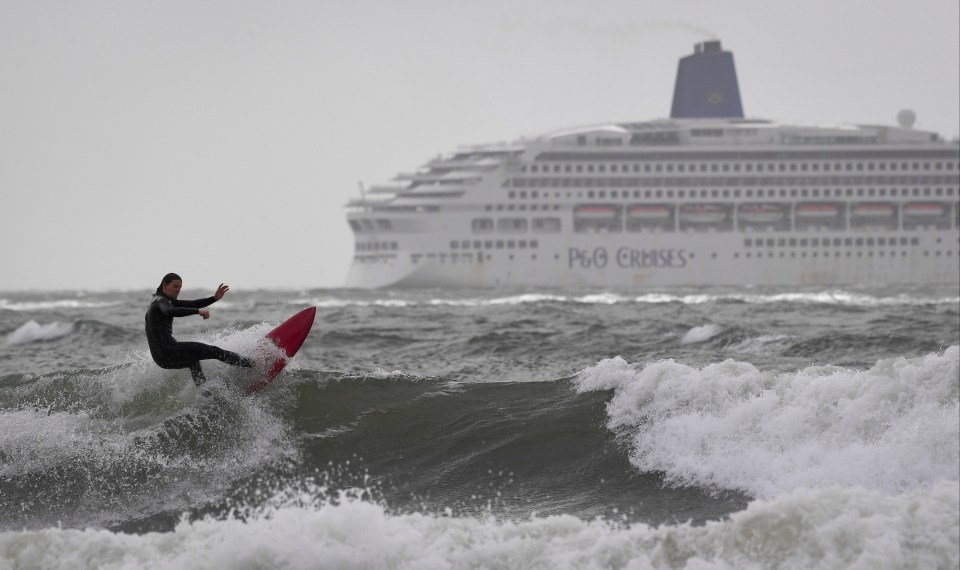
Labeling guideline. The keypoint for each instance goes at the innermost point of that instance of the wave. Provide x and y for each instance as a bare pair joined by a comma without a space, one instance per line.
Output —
827,528
830,297
8,305
700,334
88,332
32,331
893,428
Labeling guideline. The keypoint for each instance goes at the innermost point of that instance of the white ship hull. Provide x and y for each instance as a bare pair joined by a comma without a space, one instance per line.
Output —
658,261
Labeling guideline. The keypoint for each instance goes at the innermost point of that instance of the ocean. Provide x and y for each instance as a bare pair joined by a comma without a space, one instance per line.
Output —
683,429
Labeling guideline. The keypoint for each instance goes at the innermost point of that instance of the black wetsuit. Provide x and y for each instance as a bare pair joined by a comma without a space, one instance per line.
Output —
167,352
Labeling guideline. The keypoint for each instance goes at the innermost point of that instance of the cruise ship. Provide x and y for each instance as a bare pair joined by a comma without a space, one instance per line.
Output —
706,197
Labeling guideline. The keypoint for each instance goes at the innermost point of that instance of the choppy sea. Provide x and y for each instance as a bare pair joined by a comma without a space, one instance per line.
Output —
682,428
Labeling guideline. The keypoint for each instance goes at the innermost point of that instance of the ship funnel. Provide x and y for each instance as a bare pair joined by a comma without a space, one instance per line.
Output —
707,84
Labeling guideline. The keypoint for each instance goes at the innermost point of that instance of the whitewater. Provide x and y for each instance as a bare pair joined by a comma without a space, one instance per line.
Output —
681,429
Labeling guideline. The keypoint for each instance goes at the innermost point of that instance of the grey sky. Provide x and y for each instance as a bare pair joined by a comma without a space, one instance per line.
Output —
221,139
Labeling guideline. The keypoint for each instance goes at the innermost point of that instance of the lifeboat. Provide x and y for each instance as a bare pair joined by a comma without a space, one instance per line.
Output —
703,213
761,213
652,213
919,210
817,211
595,212
873,211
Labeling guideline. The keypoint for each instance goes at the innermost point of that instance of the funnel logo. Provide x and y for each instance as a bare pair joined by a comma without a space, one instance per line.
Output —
715,98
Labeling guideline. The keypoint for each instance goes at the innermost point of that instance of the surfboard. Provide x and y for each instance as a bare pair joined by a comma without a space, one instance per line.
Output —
288,337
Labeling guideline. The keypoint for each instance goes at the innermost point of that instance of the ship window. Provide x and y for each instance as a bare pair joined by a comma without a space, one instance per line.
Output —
454,245
487,244
534,244
546,225
482,225
512,224
499,244
511,244
522,244
477,245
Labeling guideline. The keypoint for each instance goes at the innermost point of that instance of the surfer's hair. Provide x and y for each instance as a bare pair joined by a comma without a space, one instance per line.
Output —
167,279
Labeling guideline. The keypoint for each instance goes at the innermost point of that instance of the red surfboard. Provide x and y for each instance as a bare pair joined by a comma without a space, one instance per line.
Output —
288,337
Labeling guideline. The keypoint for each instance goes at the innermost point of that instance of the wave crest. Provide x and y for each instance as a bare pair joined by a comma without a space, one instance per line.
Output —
892,428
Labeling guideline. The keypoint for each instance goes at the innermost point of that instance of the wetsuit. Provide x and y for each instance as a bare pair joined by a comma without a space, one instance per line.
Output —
167,352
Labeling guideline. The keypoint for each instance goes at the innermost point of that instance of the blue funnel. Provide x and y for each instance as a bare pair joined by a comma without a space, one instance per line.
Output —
707,85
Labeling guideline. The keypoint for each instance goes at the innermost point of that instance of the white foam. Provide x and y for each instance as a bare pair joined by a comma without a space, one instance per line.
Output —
32,331
892,428
835,297
700,334
34,439
53,305
828,297
829,528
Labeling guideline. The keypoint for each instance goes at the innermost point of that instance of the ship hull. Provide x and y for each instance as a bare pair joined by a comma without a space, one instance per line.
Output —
658,260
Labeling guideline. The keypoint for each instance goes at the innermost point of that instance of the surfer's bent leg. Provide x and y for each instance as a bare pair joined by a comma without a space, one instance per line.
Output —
191,351
189,355
197,373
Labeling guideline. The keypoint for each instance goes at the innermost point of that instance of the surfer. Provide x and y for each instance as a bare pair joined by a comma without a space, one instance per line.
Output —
167,352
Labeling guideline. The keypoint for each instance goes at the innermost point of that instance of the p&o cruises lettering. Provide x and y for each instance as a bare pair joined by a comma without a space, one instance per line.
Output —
626,258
